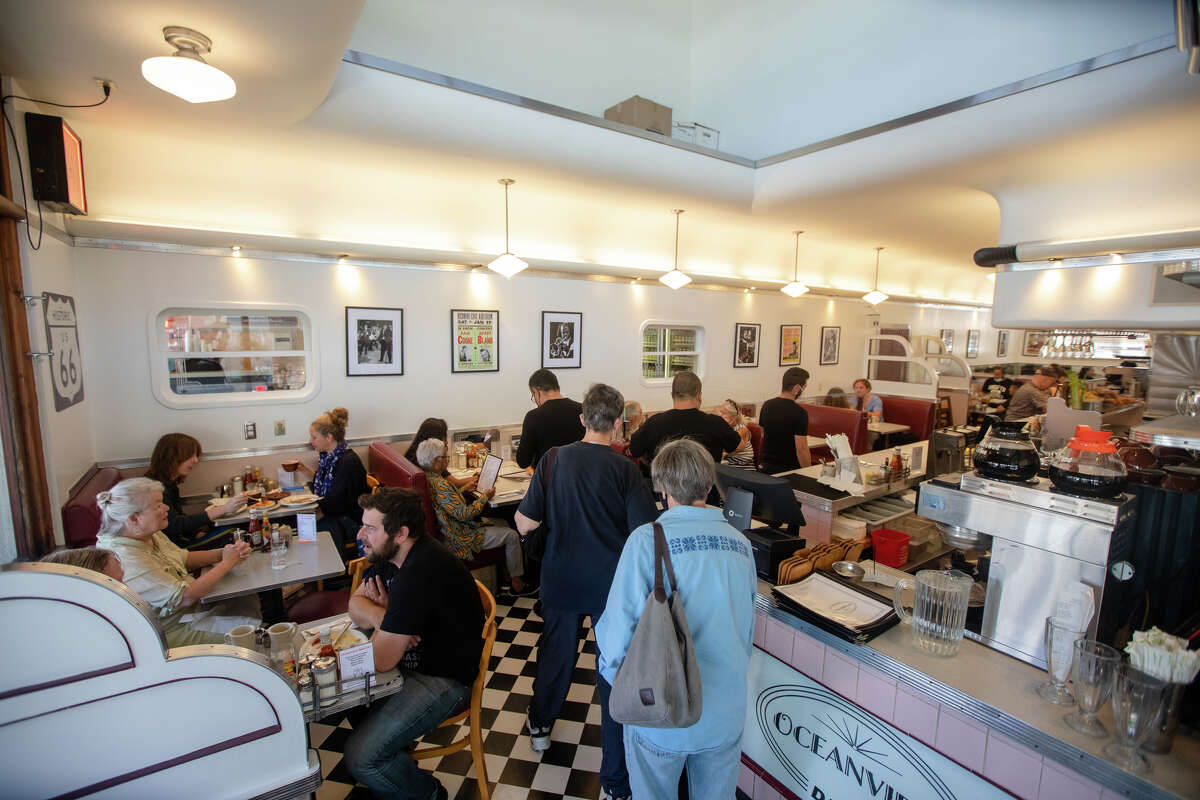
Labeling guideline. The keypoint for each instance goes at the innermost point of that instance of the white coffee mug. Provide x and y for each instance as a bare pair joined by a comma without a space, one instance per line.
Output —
241,636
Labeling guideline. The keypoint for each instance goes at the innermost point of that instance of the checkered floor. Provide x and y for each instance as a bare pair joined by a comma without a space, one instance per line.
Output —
569,769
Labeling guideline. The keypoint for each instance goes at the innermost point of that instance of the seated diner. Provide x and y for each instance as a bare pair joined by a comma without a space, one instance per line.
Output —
866,402
174,457
742,455
339,478
96,559
436,428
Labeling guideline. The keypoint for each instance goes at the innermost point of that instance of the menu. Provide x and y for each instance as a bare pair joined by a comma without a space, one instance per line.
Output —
487,475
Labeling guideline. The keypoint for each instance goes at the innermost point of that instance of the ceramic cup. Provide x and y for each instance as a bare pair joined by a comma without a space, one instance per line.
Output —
241,636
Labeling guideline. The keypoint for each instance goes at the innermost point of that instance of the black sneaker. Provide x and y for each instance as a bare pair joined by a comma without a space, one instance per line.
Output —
530,590
539,738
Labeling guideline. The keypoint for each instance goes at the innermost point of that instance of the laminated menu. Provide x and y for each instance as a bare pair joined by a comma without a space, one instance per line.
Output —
836,606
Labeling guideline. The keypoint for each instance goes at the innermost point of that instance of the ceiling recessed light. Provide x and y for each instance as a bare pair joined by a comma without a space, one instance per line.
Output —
236,249
186,74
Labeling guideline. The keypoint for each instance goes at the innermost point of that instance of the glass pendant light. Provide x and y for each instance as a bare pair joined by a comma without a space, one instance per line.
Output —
875,297
676,278
795,288
185,73
507,264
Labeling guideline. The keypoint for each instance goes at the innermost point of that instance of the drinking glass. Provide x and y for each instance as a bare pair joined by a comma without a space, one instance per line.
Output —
1138,701
1093,679
1060,652
279,549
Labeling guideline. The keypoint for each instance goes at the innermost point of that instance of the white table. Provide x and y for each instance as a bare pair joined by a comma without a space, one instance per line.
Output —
886,429
279,511
307,561
382,683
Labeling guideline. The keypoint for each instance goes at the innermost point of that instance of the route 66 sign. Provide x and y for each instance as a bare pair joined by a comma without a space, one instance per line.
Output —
62,339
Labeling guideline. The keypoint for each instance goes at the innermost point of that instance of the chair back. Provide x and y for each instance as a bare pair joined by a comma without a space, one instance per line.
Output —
824,420
918,415
393,469
356,567
756,439
80,514
489,640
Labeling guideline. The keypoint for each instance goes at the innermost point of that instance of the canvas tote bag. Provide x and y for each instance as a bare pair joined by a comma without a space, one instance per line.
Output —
658,683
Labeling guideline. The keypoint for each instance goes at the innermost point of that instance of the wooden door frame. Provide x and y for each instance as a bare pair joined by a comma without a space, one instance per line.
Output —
20,420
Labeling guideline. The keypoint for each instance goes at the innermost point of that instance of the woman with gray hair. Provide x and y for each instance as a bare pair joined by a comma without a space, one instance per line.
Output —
716,582
133,515
464,530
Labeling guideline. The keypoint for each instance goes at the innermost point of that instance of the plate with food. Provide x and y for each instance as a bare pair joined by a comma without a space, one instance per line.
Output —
350,638
276,495
263,505
302,499
220,501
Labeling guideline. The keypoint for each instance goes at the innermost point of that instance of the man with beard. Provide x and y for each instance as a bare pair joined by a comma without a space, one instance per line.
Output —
425,610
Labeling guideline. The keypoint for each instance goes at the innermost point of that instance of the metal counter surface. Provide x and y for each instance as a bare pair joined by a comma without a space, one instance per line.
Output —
996,691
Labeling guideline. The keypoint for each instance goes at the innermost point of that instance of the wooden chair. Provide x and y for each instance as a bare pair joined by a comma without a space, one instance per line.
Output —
321,603
373,483
474,736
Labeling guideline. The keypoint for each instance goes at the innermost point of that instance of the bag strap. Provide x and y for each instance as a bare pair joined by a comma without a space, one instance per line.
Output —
661,556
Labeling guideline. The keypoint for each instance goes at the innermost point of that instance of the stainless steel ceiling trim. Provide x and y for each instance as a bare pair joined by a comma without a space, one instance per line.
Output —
1146,257
438,79
1148,47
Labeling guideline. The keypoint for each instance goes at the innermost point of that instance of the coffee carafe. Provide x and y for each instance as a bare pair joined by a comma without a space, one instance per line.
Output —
1006,453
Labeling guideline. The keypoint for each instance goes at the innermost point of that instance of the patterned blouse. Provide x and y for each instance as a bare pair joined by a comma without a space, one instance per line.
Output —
743,454
459,521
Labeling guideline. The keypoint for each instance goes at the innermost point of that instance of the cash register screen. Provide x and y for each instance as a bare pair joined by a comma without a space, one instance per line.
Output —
773,499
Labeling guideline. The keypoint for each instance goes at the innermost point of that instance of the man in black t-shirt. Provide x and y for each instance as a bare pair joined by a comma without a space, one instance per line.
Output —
684,421
997,391
554,422
428,620
785,426
589,497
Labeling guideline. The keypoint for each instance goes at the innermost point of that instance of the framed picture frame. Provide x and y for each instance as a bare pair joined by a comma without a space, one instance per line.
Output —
1034,342
374,341
831,344
474,340
562,339
747,338
791,338
972,343
1001,344
947,337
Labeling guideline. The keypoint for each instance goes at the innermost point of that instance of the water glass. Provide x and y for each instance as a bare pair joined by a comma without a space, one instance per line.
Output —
279,550
1093,679
1060,653
1138,701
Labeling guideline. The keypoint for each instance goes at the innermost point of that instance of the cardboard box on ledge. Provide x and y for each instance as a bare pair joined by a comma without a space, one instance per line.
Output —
642,113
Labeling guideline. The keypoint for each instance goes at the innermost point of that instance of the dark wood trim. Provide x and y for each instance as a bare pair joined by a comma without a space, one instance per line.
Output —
20,422
10,209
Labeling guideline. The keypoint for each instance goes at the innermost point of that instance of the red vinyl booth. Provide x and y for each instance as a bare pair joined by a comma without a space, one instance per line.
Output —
918,415
80,514
755,440
823,420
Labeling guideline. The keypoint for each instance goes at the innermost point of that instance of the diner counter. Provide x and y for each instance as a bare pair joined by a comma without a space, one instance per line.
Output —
976,708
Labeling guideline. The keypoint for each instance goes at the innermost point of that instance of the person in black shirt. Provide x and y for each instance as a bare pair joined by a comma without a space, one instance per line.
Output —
427,616
785,426
555,421
685,420
174,457
590,497
997,391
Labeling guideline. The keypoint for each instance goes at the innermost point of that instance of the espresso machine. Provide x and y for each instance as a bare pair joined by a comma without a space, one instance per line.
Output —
1041,541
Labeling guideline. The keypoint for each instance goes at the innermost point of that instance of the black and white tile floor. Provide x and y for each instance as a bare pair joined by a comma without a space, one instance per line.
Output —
569,769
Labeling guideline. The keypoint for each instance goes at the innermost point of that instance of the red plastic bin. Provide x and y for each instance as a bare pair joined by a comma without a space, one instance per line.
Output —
890,547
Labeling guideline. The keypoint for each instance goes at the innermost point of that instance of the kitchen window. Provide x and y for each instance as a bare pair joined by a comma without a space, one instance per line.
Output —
670,348
232,355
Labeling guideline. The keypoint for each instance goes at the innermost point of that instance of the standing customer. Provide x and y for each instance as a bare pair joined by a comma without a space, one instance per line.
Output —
590,497
684,420
866,402
714,573
428,619
339,478
174,457
785,426
554,422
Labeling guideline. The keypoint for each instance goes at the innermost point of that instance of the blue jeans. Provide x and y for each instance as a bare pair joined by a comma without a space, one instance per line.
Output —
375,753
654,773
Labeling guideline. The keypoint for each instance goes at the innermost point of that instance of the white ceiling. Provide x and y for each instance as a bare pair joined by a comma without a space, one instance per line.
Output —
323,156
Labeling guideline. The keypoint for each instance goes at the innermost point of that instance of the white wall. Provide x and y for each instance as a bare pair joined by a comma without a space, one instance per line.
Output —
119,289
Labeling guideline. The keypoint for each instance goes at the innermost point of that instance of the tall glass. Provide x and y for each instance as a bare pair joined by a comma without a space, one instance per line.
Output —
1060,653
279,551
1138,701
1092,676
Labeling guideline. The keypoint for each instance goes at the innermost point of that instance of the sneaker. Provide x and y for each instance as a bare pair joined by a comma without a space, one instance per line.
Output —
539,738
605,794
529,590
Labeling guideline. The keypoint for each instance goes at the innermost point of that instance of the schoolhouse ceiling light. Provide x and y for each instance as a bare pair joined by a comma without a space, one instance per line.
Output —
676,278
507,264
795,288
875,297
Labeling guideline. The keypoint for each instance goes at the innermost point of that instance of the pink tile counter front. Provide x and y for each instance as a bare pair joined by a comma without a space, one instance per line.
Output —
828,720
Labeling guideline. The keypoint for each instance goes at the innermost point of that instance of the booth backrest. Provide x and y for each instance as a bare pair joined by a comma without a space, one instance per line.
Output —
393,469
755,440
823,420
80,514
918,415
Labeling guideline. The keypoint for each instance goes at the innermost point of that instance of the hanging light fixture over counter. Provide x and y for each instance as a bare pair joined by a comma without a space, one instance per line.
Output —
507,264
875,297
185,73
795,288
676,278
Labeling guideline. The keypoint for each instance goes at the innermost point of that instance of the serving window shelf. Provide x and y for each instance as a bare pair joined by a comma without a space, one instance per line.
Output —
668,348
232,354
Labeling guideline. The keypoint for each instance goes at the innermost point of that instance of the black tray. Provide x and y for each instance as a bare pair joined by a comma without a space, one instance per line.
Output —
857,635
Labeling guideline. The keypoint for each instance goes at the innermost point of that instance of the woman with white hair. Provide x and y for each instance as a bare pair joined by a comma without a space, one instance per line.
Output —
133,515
465,532
716,582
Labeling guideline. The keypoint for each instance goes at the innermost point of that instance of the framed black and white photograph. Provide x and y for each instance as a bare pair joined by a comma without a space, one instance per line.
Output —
1002,344
374,341
746,338
474,340
972,343
947,337
831,344
562,337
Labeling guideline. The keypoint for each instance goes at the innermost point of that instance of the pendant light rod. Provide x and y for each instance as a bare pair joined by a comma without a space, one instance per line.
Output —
796,259
677,212
506,182
877,249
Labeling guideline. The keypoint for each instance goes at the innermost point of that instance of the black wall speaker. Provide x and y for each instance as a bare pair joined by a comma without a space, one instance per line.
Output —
55,164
